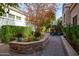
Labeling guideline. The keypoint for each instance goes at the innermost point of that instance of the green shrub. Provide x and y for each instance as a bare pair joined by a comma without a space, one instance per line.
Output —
27,31
8,32
72,33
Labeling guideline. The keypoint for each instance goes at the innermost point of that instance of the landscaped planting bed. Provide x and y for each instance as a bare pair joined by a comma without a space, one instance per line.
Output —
22,39
72,35
9,33
28,47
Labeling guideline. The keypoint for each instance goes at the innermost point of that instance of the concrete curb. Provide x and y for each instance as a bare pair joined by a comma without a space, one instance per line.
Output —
68,48
4,54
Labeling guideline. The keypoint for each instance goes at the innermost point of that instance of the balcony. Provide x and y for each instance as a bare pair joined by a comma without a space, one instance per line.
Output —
9,21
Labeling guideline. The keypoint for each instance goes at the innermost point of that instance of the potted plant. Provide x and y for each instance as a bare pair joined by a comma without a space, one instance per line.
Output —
37,36
18,36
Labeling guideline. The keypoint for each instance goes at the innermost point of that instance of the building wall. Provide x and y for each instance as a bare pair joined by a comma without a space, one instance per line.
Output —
20,22
69,13
75,12
66,15
63,22
7,20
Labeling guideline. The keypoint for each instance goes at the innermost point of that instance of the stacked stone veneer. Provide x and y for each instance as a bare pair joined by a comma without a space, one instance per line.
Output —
28,47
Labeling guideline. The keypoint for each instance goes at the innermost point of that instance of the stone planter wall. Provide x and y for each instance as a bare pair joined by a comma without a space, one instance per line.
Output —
28,47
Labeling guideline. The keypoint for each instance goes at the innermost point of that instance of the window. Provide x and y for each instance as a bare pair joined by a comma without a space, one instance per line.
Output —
18,18
75,20
11,16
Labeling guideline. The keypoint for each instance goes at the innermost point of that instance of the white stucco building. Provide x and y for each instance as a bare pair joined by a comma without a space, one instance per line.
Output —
16,17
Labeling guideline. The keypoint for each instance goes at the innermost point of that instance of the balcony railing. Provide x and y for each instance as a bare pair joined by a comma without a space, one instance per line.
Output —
9,21
6,21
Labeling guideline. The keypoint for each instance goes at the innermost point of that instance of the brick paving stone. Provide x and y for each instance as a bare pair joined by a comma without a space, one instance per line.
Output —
54,47
4,48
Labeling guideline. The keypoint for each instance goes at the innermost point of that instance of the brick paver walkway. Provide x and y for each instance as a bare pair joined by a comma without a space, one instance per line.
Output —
53,48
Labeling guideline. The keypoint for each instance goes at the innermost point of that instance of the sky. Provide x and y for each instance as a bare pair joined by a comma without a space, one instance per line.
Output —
23,7
59,10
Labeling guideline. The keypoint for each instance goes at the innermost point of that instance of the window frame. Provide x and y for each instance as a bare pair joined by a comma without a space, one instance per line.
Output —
19,18
11,16
75,18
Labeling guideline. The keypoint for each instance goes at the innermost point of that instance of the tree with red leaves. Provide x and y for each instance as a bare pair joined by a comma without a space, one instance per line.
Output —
41,14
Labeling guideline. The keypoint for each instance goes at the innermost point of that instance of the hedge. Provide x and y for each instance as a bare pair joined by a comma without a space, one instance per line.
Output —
8,32
72,33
